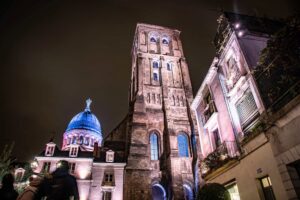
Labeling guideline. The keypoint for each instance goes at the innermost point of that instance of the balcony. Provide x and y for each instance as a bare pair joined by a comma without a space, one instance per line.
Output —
219,158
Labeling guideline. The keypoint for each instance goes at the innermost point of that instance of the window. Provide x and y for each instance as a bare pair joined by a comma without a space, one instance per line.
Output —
246,108
110,156
155,76
46,167
165,41
107,195
216,138
69,140
92,142
74,141
108,177
155,64
169,66
72,167
81,139
50,149
73,151
267,188
233,190
183,147
153,39
86,141
154,146
188,192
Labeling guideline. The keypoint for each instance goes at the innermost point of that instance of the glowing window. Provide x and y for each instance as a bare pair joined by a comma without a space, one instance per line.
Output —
183,147
155,64
267,188
154,146
46,167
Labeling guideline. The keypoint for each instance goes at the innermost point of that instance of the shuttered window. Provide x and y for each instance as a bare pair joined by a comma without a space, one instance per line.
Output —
246,108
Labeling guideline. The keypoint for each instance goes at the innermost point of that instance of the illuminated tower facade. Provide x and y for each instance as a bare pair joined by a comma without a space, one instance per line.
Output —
159,139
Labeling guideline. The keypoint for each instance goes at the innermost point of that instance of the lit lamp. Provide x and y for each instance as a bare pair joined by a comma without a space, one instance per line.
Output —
34,164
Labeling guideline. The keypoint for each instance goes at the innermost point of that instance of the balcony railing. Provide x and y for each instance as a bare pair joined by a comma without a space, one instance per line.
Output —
209,110
220,156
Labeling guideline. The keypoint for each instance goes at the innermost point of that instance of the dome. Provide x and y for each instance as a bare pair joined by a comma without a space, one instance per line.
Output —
85,120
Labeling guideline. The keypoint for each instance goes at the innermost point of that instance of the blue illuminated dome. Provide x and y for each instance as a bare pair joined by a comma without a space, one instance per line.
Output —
85,120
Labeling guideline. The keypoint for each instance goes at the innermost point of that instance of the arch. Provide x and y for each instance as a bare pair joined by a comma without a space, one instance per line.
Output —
81,139
154,145
169,66
74,140
183,145
188,192
165,40
87,141
155,64
158,192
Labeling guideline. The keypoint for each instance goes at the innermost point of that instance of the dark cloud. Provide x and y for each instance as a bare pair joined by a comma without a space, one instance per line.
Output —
55,54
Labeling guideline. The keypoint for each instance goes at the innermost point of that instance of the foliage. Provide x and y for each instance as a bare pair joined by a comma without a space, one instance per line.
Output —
278,69
5,159
213,191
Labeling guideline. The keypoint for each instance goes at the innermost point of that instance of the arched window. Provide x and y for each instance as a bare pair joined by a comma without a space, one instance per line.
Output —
155,76
183,145
153,39
87,140
74,141
188,192
169,66
154,146
81,139
155,64
165,41
158,192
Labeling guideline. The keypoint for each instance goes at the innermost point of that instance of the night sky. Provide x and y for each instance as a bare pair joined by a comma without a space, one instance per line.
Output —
54,54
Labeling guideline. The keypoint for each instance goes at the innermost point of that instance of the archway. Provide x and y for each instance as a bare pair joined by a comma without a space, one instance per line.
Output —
158,192
188,192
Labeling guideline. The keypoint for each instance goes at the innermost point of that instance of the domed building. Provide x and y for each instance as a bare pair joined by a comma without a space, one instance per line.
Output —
84,129
99,169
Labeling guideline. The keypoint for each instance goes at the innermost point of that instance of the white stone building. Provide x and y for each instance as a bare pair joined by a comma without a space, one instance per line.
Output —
99,170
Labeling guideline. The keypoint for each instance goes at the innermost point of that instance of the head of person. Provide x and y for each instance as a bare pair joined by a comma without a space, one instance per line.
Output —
8,180
63,165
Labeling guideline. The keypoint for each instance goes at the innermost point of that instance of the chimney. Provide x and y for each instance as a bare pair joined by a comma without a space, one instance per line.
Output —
96,152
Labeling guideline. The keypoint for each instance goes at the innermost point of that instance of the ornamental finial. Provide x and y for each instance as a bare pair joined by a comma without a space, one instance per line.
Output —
88,104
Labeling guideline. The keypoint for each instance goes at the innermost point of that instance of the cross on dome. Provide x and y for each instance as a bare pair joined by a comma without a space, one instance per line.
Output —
88,105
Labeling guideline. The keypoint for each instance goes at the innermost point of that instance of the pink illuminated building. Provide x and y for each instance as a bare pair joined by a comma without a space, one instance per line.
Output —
99,170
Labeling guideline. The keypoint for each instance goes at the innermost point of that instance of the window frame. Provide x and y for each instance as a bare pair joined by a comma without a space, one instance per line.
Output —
154,133
186,152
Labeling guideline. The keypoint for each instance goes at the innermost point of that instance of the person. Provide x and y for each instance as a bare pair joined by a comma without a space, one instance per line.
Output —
60,185
30,190
7,192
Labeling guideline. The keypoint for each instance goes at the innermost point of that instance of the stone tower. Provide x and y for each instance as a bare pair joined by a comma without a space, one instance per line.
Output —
159,138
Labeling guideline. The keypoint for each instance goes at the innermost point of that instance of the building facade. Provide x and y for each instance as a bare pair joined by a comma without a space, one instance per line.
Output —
99,170
154,148
158,130
239,146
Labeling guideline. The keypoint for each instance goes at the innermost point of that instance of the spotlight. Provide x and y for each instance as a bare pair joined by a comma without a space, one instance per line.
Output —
240,33
237,25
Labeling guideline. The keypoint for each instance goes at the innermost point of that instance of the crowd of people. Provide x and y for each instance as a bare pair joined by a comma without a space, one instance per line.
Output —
59,185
